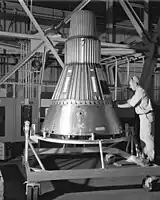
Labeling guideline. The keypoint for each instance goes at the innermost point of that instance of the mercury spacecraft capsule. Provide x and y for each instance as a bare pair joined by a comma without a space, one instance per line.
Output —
81,103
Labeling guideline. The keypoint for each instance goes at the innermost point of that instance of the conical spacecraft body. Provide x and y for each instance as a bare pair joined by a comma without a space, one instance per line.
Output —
82,104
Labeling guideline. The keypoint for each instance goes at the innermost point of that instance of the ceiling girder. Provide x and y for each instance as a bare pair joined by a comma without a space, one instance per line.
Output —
47,41
43,34
134,19
125,5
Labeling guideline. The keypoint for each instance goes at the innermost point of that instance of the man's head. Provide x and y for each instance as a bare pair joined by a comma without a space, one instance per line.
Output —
134,82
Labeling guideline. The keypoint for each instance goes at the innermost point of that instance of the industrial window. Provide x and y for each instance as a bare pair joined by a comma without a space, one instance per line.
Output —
2,121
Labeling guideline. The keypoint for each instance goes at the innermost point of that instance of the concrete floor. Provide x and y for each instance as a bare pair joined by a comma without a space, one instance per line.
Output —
134,194
94,189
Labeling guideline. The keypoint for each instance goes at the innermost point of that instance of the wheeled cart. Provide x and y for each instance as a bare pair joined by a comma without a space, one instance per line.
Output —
36,175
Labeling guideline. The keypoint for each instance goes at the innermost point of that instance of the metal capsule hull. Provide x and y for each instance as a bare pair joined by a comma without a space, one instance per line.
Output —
81,120
81,103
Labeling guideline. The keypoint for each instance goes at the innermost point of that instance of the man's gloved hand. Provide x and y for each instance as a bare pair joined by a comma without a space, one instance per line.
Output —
115,105
118,105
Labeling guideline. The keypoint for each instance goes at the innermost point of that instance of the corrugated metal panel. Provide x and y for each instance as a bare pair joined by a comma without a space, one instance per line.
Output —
77,19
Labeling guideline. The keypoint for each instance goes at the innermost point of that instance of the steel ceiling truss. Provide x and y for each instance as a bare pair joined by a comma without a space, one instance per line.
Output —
139,26
47,41
50,44
42,34
152,43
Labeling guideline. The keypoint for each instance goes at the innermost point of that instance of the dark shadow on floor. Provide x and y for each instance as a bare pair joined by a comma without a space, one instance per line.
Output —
62,187
14,188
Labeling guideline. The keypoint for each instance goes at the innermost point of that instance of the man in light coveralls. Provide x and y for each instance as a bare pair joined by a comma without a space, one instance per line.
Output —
143,107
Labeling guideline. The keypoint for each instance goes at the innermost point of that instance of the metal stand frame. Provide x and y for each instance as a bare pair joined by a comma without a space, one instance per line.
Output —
34,176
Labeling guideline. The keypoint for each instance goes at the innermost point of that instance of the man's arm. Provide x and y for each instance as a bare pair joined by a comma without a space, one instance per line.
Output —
136,98
125,105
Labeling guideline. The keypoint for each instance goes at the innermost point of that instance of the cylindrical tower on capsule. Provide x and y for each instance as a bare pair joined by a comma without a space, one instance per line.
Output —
81,103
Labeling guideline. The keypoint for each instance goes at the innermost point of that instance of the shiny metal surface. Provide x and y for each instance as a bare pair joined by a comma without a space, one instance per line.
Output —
81,119
81,103
83,23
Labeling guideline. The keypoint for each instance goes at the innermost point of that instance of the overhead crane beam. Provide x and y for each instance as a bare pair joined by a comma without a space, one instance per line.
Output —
134,19
55,38
5,34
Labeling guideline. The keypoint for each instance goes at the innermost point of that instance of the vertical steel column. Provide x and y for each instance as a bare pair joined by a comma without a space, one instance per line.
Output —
26,130
40,83
4,11
109,21
147,24
101,153
116,79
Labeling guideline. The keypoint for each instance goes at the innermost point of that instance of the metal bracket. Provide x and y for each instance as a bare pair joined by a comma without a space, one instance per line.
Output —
32,185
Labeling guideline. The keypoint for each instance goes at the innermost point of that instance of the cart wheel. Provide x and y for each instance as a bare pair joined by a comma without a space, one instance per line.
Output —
29,192
35,193
149,183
